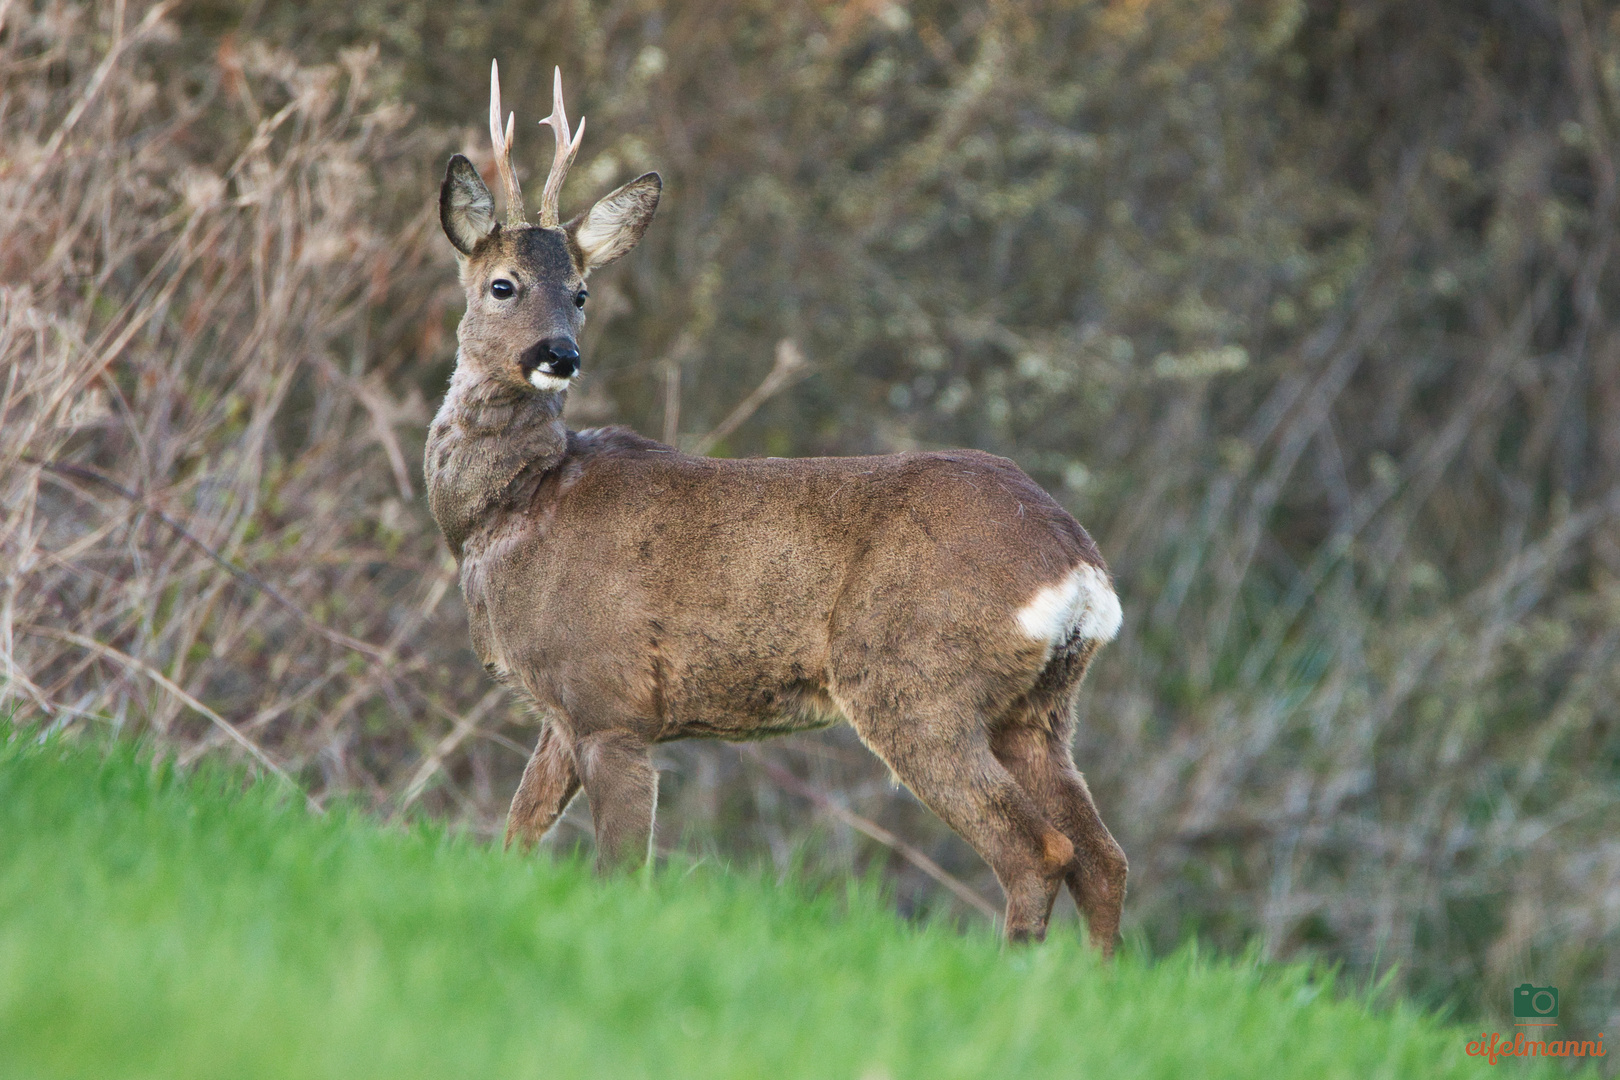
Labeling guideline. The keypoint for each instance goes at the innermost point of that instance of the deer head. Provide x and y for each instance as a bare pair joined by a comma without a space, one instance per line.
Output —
525,282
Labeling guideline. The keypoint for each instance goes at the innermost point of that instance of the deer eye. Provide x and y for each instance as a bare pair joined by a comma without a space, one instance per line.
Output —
501,289
579,298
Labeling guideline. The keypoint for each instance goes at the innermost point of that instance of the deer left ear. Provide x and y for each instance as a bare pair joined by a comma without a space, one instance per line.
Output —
466,209
615,224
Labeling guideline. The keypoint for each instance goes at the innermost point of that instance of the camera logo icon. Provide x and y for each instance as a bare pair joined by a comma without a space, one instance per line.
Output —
1535,1001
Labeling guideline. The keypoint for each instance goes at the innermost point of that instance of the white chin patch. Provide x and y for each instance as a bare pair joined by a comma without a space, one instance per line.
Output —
543,381
1082,603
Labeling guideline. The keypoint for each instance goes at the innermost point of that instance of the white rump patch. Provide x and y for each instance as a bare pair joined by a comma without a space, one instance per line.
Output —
1082,603
546,381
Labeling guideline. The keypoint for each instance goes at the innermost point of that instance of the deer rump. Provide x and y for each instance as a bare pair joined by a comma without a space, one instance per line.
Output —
668,596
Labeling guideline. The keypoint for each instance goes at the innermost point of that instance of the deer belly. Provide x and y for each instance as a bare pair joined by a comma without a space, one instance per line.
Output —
743,678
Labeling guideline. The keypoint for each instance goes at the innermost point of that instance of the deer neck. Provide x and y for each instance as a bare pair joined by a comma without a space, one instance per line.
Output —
487,447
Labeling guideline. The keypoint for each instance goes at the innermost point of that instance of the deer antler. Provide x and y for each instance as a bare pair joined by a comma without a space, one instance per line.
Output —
567,147
503,148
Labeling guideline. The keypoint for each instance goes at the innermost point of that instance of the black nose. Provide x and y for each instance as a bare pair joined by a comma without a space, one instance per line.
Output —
557,356
562,356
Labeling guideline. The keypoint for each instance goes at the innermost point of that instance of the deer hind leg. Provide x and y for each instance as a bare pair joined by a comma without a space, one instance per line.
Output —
946,761
549,783
1039,757
622,786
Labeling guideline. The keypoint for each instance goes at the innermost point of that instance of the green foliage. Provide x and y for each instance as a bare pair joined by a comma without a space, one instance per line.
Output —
172,926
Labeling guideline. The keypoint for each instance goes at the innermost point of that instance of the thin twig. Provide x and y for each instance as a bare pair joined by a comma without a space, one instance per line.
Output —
867,827
242,574
790,366
672,402
383,412
464,727
168,684
671,363
121,43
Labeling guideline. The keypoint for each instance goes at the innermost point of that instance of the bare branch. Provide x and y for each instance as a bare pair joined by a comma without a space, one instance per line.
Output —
464,727
246,576
959,888
790,366
168,684
683,347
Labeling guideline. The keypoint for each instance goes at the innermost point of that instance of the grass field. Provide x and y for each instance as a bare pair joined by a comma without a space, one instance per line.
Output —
154,925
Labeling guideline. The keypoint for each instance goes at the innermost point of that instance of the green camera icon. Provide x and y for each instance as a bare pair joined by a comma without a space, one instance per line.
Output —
1535,1001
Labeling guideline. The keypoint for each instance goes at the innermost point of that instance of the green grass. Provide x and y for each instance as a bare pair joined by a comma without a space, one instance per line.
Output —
157,925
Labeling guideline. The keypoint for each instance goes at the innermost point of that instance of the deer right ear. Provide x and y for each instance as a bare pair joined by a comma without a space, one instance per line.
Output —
466,208
614,225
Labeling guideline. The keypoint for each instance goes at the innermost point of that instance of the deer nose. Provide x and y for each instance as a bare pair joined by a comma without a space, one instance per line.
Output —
563,357
557,356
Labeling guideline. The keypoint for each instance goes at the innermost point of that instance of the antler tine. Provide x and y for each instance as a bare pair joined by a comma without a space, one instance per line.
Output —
567,146
503,147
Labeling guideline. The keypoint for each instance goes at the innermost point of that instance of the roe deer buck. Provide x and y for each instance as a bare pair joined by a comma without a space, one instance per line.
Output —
941,603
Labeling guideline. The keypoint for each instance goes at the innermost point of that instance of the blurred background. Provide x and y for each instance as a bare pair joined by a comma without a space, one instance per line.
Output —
1305,308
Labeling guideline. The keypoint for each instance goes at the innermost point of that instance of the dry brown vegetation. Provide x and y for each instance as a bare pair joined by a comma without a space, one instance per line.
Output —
1307,310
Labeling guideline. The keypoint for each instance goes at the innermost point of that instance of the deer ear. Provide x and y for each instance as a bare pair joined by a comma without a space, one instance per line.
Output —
466,209
614,225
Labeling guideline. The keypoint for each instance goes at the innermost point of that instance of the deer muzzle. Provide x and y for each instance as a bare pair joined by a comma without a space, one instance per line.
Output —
550,363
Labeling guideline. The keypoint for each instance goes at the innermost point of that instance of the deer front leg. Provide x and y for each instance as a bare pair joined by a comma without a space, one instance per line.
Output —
548,785
622,787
